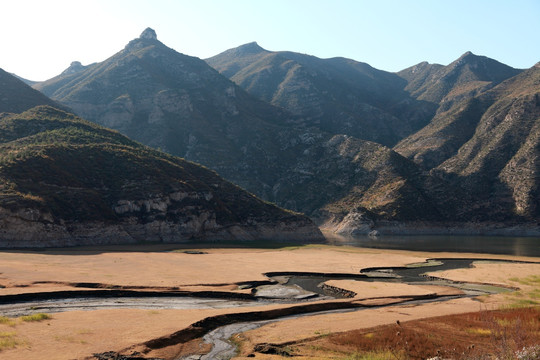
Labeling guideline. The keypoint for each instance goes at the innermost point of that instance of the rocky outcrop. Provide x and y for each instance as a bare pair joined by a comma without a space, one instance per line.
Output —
31,228
73,68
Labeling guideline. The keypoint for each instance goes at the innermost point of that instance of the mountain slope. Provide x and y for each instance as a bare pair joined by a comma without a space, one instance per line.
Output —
66,181
500,162
456,89
16,96
338,95
171,101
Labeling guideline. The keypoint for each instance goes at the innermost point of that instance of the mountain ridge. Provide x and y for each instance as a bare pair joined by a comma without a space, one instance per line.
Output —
337,95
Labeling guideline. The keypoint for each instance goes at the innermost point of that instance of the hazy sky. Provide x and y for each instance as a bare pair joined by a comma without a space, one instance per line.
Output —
40,38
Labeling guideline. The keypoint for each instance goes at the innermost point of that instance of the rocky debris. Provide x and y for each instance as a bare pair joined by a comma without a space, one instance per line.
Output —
337,292
272,349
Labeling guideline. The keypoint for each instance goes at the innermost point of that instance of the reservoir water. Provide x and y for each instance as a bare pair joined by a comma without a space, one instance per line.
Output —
518,246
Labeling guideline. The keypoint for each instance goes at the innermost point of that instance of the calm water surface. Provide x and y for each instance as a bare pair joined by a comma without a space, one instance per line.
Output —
519,246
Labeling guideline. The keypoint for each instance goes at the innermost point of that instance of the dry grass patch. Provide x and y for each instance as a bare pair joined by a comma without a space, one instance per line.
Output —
7,321
36,317
8,340
498,334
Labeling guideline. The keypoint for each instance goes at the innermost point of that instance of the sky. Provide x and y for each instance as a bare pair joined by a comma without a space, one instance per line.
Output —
40,38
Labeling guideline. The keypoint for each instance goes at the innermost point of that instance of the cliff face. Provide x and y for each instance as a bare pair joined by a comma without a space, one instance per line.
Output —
66,182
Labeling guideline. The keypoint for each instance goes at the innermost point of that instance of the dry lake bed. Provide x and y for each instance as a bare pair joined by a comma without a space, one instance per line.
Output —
312,302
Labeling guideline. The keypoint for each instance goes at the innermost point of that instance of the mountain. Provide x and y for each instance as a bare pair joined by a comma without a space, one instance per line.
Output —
500,163
16,96
65,181
26,81
455,89
185,107
337,95
180,104
174,102
466,77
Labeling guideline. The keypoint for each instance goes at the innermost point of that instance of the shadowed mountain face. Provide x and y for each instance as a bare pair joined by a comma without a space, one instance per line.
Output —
16,96
65,181
338,95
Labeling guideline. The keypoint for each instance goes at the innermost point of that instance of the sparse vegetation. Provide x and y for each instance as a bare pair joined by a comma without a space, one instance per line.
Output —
8,340
7,321
529,296
36,317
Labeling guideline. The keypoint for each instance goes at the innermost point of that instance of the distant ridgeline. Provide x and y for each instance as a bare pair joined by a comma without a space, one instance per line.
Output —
429,148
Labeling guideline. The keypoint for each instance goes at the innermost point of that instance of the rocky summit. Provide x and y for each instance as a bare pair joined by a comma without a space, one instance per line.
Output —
65,181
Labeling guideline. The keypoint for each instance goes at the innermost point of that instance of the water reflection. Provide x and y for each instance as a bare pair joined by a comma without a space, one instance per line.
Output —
519,246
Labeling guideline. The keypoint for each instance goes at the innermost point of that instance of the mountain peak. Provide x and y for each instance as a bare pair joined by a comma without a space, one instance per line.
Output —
467,57
73,68
149,34
249,48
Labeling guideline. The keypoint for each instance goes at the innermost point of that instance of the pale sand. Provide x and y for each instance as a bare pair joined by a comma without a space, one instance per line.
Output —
77,334
80,333
219,266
